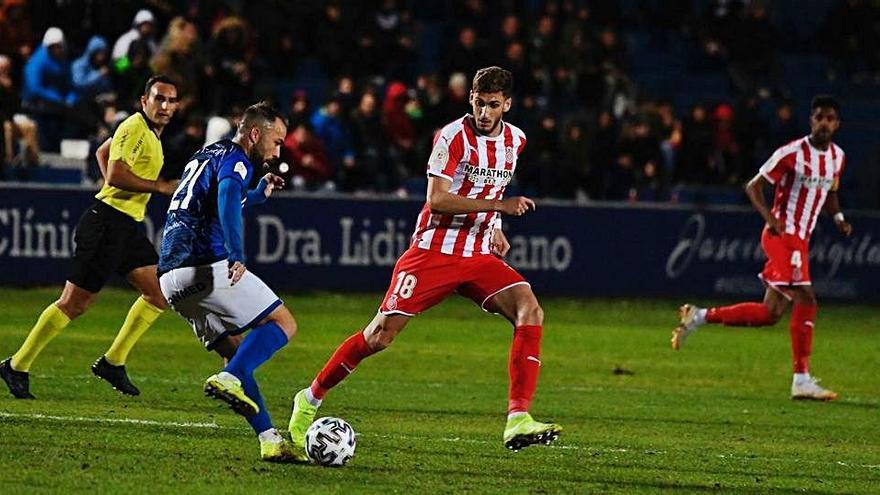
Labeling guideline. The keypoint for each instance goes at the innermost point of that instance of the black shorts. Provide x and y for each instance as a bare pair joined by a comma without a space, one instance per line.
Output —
108,241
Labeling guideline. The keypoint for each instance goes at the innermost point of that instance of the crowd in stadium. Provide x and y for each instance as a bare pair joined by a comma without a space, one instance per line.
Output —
391,75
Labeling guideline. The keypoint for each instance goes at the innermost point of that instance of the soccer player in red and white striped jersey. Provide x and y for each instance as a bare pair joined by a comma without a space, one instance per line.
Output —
457,247
806,175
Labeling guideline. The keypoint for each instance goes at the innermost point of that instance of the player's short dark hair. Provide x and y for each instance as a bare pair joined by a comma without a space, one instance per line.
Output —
159,78
493,79
825,101
260,114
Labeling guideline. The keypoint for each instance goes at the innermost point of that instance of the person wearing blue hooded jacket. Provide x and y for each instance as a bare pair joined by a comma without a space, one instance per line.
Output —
47,88
91,72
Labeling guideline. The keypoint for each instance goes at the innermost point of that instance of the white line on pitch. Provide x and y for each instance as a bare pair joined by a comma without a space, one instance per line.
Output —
611,450
84,419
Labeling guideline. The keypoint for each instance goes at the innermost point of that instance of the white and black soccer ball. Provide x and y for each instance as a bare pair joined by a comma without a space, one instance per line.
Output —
330,441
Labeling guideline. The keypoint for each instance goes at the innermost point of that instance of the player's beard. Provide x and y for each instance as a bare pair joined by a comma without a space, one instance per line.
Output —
821,138
256,159
489,131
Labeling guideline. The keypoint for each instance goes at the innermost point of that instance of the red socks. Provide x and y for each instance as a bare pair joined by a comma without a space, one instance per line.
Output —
524,367
341,364
803,317
741,315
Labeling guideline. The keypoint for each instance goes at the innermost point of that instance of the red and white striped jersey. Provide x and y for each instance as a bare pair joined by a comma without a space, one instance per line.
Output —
479,167
803,175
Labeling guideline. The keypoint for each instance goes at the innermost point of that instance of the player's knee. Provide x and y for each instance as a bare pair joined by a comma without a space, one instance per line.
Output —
775,311
72,307
281,316
530,313
288,326
810,298
156,300
379,337
807,299
776,315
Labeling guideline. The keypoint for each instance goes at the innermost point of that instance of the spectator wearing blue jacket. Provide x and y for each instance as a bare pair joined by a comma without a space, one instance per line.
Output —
91,71
47,72
47,88
330,127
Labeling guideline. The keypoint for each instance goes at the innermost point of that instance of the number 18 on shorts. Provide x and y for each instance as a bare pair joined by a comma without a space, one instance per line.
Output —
423,278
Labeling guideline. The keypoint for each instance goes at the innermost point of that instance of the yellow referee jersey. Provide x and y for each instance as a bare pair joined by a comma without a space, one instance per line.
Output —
135,143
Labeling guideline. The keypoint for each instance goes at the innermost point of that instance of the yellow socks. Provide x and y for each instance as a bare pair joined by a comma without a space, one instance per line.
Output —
141,315
49,324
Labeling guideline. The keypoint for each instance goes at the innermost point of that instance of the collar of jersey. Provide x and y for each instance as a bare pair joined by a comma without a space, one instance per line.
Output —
817,150
149,122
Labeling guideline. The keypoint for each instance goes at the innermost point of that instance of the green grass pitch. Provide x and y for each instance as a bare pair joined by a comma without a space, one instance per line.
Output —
714,417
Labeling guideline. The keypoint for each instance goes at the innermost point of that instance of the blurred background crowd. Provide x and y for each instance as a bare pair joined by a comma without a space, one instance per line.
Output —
636,100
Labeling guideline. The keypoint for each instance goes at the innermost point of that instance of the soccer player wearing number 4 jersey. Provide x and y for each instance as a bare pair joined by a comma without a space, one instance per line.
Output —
457,247
806,173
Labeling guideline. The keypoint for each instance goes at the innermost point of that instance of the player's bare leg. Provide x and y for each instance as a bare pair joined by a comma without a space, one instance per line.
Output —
520,306
74,301
227,346
143,313
750,314
377,335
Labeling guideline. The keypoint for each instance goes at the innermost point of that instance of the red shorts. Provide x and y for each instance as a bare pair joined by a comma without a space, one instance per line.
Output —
424,278
788,260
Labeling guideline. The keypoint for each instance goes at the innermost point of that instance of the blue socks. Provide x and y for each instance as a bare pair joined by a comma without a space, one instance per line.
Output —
261,421
256,348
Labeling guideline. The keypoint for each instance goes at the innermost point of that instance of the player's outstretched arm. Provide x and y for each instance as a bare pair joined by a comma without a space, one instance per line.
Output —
268,184
440,200
755,191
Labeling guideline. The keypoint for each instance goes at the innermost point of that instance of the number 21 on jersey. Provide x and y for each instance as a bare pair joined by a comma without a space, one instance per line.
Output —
191,173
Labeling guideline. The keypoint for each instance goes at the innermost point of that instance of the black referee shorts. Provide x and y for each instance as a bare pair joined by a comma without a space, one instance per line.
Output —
108,241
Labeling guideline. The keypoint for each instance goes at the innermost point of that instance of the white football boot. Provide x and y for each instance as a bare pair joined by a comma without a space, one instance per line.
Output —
688,322
809,389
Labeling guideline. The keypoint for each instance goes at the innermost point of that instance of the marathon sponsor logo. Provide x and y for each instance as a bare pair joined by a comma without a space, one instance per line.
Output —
186,292
489,176
814,182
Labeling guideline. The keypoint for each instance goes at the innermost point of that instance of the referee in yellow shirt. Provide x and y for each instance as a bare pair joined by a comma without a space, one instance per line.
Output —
110,239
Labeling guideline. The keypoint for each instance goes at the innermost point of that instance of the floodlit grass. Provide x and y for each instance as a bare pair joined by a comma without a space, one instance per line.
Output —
429,411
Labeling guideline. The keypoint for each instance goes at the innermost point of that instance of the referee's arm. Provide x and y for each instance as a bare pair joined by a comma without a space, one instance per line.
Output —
119,175
102,155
